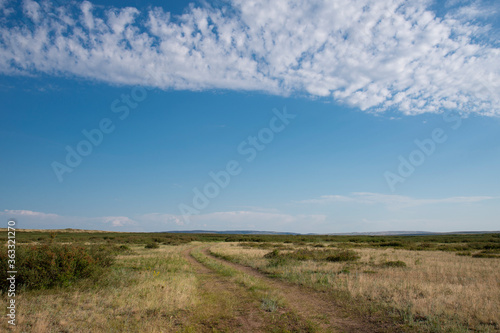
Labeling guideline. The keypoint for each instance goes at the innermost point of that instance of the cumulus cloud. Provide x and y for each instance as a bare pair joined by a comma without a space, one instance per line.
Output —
370,54
246,218
165,219
397,201
29,213
116,221
470,10
227,220
38,220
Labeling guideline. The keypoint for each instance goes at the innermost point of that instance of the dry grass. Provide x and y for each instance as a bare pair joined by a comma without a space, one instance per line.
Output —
158,290
145,292
436,291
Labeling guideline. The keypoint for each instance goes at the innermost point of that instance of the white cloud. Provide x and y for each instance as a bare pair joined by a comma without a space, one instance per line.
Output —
244,218
3,7
166,219
32,10
116,221
394,201
370,54
30,213
228,220
38,220
470,10
257,220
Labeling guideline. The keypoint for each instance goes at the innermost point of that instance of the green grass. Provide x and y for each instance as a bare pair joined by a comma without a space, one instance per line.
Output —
453,243
334,255
47,266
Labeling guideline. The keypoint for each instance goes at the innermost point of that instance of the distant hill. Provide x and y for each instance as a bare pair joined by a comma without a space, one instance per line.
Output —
232,232
412,233
259,232
375,233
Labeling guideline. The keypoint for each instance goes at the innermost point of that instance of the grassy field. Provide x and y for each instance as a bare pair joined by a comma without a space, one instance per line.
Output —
160,282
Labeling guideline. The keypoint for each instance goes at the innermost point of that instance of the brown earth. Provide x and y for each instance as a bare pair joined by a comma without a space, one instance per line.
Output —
315,306
241,311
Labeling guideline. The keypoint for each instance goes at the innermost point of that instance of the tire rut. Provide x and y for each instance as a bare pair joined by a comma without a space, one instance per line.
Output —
246,316
316,306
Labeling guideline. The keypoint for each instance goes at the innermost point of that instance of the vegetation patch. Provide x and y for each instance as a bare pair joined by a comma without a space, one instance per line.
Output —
47,266
486,254
333,255
343,255
152,245
394,263
269,304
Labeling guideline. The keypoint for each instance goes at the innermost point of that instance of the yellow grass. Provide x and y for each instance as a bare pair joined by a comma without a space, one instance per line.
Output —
445,289
147,300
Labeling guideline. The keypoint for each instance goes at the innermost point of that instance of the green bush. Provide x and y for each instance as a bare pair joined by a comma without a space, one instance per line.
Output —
335,255
396,263
391,244
485,254
46,266
152,246
273,254
343,255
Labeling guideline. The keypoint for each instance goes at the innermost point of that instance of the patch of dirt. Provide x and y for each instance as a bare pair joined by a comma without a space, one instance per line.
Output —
315,306
244,315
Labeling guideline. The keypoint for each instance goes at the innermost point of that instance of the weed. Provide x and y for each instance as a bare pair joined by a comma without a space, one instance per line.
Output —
395,263
273,254
343,255
152,245
269,304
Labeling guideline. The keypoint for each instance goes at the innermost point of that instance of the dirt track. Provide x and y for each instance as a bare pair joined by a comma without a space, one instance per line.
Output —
308,305
245,315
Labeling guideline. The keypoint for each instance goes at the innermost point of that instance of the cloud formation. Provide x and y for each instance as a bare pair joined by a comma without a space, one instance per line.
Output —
228,220
394,201
369,54
28,213
38,220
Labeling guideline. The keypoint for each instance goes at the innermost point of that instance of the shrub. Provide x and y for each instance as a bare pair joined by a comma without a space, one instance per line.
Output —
343,255
396,263
485,254
269,304
273,254
280,261
46,266
391,244
316,255
152,246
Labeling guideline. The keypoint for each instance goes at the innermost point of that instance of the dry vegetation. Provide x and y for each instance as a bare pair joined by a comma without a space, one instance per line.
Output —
143,292
440,284
436,291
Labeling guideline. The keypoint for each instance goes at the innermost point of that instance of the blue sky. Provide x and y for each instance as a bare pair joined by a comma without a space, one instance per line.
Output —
316,116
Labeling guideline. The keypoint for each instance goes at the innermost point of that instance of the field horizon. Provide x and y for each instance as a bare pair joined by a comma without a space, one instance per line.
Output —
84,281
262,232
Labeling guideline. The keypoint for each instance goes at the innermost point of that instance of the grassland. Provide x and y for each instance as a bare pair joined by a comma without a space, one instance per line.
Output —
162,282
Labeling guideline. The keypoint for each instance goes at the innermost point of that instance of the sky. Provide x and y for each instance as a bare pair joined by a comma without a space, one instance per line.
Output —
298,116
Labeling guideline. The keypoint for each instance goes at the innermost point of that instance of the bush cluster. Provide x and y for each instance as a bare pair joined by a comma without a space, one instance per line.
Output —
152,245
46,266
335,255
395,263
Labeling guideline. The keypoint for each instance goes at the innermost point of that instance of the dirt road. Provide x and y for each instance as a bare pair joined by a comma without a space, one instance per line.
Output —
303,310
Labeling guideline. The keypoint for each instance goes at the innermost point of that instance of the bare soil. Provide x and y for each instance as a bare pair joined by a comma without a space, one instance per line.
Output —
315,306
